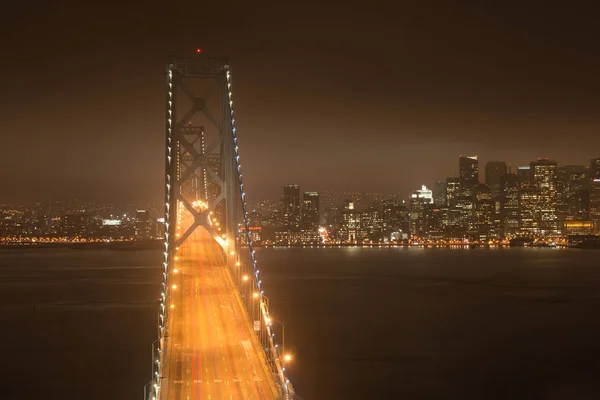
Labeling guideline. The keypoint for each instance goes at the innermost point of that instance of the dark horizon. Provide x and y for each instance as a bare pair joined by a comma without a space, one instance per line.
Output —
329,96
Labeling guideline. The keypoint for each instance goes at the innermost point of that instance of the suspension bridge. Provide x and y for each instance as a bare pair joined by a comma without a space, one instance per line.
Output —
216,338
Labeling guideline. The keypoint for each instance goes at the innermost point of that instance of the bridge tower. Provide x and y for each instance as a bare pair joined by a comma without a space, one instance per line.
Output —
191,84
203,177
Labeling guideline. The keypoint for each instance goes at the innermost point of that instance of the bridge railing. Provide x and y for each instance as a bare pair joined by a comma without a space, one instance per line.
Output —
264,319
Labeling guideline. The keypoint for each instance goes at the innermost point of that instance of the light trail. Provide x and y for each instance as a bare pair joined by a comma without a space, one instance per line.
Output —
213,349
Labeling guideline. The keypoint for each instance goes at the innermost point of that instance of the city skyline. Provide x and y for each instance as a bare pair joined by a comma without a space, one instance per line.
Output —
592,166
540,201
305,113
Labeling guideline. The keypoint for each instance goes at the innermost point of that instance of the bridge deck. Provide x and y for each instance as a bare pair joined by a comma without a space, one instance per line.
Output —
212,353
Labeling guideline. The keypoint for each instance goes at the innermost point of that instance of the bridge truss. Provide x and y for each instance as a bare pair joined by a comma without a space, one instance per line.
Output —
204,177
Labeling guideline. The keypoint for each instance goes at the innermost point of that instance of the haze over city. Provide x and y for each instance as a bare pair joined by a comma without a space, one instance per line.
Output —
331,96
276,200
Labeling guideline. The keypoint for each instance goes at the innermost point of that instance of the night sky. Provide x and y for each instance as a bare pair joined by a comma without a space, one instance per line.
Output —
377,96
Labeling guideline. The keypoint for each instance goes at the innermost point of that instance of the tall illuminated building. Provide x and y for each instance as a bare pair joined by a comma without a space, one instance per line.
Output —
290,207
465,206
434,221
573,187
528,206
440,193
544,177
418,200
494,171
484,212
468,174
395,218
452,191
310,210
371,224
350,229
524,175
509,205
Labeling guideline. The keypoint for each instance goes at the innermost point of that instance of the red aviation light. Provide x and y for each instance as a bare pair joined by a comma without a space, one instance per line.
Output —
198,50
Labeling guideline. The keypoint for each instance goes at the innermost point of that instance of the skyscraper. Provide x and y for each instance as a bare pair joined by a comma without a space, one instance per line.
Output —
509,205
439,194
573,187
528,204
310,211
452,191
395,218
434,218
544,174
350,230
468,174
524,176
494,171
418,200
371,224
484,211
290,207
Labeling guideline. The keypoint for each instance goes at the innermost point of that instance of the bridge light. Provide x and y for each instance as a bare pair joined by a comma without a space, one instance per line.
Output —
232,253
255,295
174,286
176,258
287,357
245,277
237,264
175,271
172,306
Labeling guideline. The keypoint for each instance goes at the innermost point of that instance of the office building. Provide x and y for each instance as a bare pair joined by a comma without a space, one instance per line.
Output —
290,207
573,185
418,200
509,205
452,191
528,204
544,175
435,218
350,230
371,225
524,176
439,193
468,174
395,218
310,211
494,171
484,213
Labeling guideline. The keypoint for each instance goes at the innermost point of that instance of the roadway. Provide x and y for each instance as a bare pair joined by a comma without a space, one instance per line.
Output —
212,352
